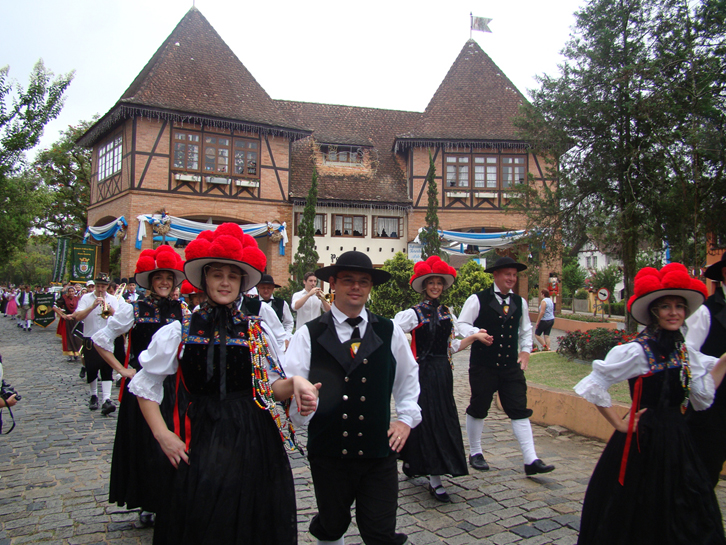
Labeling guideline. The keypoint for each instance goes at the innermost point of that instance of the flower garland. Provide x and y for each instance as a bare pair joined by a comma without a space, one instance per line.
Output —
261,390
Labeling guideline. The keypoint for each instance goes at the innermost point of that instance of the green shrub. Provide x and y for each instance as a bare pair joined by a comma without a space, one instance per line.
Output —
593,344
581,318
470,278
618,308
581,293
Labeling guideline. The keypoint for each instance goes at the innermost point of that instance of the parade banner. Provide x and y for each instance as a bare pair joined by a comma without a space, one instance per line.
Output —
83,262
61,257
43,309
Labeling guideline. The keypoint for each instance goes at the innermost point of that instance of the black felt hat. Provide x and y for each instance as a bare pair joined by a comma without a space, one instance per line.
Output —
714,271
267,279
102,278
506,262
355,262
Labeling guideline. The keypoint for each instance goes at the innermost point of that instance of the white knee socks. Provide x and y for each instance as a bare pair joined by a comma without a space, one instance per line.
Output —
523,432
106,389
93,387
474,429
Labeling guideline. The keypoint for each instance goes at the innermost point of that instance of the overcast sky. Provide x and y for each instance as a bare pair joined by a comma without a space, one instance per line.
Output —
378,53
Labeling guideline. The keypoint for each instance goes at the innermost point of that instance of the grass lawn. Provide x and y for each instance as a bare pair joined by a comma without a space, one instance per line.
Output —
554,371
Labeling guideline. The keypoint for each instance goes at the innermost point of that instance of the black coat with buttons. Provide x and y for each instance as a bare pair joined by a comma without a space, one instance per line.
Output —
503,327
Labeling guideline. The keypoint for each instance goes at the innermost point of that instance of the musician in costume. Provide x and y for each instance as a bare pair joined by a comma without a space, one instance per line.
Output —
93,310
361,360
233,482
500,367
649,486
309,302
139,469
707,334
435,447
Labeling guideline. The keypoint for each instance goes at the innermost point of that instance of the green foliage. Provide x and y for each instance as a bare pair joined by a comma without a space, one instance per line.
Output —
396,294
65,170
573,278
429,237
470,279
582,318
593,344
581,293
33,265
285,293
607,277
306,258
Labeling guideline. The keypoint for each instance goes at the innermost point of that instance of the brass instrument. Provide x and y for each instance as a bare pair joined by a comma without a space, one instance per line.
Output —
106,311
327,297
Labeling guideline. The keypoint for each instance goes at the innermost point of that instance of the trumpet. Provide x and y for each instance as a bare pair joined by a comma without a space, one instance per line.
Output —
106,311
327,297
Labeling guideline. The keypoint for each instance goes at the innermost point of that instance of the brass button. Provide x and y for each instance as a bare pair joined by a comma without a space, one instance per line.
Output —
345,417
361,417
362,398
345,451
345,398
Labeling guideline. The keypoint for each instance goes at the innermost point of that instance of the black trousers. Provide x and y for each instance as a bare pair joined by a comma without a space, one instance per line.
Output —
95,364
508,380
373,485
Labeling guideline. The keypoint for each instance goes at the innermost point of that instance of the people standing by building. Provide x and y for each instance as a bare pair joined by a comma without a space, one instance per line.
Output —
11,309
93,310
309,303
707,334
500,367
649,486
140,471
545,320
435,447
362,360
233,482
265,290
24,300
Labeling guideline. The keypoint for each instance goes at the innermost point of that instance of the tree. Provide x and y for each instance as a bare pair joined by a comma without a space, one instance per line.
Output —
573,278
600,126
34,265
396,294
65,170
607,277
306,258
430,240
470,278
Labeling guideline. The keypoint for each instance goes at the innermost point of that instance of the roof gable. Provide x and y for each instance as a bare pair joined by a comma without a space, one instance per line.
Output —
475,101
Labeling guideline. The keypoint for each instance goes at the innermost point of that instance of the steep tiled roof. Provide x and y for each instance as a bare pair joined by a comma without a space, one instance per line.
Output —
195,72
475,101
371,128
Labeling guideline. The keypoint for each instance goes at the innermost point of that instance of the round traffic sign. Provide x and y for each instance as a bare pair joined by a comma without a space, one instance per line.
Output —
603,294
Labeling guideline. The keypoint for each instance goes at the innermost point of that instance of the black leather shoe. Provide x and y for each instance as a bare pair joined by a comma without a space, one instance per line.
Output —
478,462
538,466
440,494
146,520
82,374
108,407
93,404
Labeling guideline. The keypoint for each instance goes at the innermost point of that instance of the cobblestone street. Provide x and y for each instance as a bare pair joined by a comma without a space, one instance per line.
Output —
54,469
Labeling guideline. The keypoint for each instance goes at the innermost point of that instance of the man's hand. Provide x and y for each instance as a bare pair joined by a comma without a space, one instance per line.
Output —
397,435
306,395
523,360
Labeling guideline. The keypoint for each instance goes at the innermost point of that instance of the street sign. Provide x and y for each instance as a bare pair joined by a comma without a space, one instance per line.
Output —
603,294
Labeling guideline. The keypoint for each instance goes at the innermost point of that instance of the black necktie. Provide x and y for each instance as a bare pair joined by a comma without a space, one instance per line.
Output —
505,302
354,324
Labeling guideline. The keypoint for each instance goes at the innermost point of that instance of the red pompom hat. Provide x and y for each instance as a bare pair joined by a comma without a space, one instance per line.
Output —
227,245
433,266
652,284
188,289
164,258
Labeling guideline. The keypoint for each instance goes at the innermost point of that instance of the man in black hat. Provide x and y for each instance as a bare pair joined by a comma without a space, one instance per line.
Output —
361,360
90,311
265,289
500,366
707,333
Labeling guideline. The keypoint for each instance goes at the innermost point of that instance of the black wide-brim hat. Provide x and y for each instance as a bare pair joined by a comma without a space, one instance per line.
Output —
714,271
355,262
506,263
267,279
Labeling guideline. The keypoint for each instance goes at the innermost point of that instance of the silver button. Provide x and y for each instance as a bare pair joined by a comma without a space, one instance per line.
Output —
362,398
346,379
345,434
360,453
345,417
361,417
345,398
360,434
365,361
497,354
345,451
363,380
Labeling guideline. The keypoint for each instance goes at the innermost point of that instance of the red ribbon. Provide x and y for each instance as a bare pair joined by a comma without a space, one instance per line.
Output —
637,392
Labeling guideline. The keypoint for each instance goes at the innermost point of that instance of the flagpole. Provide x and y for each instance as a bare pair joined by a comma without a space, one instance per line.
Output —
471,24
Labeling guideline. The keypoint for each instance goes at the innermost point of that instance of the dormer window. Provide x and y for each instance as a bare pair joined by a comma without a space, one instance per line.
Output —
345,155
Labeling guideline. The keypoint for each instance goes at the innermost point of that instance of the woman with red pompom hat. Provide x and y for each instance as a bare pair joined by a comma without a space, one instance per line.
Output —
139,469
233,482
435,447
649,485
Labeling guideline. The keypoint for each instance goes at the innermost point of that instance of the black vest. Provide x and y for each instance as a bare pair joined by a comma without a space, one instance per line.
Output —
355,400
278,305
149,317
250,306
715,343
504,329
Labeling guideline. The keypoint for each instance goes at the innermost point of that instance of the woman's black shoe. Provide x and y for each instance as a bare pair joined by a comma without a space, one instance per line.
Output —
440,494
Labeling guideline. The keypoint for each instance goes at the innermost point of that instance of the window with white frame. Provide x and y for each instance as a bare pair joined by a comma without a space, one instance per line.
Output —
587,262
109,158
387,226
484,171
350,155
349,226
320,224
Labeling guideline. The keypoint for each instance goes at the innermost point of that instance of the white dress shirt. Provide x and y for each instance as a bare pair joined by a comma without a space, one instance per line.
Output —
287,321
93,322
311,309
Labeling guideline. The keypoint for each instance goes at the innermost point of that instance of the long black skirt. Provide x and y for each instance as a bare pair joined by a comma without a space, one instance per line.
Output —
435,446
666,497
140,471
237,487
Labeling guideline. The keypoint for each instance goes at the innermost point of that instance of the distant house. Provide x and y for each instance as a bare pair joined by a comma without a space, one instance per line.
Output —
196,134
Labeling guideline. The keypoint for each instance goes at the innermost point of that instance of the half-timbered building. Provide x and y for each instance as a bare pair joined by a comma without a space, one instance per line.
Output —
197,136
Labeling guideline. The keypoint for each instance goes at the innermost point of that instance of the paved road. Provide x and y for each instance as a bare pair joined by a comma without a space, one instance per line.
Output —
54,470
